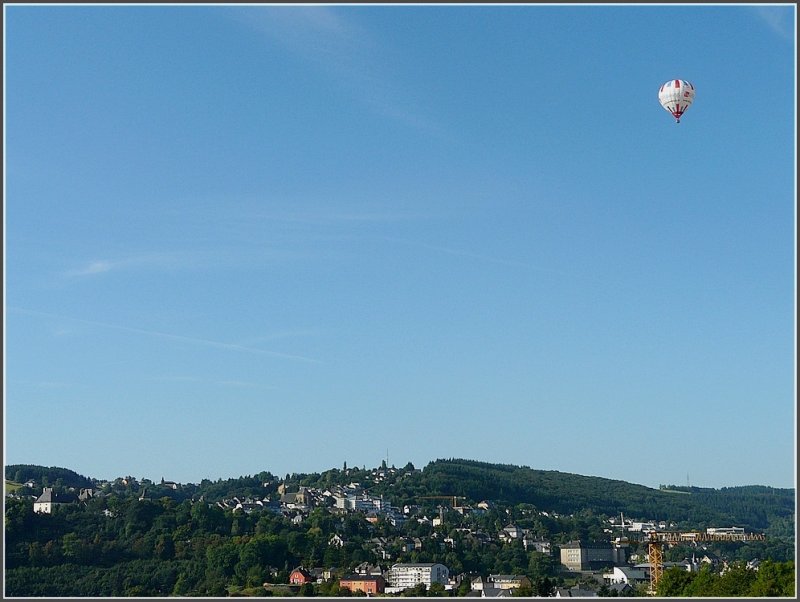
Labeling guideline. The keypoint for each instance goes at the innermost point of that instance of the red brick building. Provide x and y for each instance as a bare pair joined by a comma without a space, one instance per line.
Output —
369,584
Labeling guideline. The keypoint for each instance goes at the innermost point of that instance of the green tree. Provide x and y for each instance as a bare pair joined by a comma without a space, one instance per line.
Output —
216,588
222,557
165,547
74,548
674,582
544,587
420,590
774,579
703,583
19,518
210,519
464,587
736,581
606,592
541,565
307,590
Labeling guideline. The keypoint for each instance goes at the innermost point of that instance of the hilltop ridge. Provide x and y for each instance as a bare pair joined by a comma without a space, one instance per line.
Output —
755,507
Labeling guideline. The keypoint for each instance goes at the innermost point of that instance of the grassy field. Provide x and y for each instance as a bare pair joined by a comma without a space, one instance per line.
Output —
11,486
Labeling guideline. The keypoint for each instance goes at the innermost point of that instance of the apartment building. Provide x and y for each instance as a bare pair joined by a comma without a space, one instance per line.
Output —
404,575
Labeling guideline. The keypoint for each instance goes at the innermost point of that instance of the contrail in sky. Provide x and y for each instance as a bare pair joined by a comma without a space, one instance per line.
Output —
166,335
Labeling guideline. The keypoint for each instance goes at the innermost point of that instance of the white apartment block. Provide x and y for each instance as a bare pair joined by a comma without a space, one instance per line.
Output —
403,575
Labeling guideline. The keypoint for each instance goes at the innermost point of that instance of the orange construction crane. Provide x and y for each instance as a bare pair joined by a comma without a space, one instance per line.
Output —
453,498
656,539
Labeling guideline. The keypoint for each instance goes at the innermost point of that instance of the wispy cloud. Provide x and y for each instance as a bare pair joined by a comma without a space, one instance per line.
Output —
250,235
95,267
347,52
232,254
778,18
174,337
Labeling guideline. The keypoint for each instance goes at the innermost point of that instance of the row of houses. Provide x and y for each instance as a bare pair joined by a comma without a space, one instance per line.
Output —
372,580
402,576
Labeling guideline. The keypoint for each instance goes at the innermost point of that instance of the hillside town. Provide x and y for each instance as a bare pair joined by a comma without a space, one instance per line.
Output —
605,567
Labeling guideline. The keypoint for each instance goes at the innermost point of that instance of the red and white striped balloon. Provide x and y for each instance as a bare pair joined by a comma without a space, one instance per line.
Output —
676,96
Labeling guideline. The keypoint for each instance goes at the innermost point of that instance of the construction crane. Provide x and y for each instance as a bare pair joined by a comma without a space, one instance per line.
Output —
656,540
453,498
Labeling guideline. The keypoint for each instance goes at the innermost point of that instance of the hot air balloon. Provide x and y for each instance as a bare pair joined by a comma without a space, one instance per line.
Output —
675,96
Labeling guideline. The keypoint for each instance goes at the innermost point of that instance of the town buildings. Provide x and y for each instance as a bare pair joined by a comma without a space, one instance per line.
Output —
384,545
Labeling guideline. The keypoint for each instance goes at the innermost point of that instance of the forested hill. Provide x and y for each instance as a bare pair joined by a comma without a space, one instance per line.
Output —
42,475
756,508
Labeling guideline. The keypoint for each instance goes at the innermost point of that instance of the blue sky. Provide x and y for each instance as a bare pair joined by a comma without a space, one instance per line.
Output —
245,238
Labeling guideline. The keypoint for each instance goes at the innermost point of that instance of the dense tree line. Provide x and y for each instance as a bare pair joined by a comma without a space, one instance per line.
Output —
763,508
773,579
755,508
123,546
47,477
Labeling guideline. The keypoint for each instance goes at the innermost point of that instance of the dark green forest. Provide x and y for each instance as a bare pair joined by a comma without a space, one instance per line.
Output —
46,477
179,542
756,508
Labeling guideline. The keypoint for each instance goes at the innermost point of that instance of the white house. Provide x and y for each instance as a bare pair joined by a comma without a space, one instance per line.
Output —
535,543
624,574
512,531
45,503
509,581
